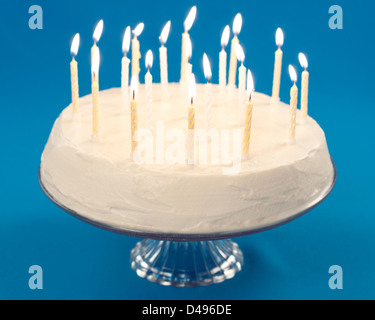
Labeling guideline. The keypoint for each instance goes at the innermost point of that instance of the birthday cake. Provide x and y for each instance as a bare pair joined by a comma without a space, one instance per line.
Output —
157,192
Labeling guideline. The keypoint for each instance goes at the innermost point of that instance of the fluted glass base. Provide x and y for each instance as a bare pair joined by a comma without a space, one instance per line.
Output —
186,264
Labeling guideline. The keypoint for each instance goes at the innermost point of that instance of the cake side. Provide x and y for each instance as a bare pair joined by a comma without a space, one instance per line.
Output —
99,181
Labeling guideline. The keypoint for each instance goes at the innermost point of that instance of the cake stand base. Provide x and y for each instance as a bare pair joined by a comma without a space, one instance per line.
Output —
186,264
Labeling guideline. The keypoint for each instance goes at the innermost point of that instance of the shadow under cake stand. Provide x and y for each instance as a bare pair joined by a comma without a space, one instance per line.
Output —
188,260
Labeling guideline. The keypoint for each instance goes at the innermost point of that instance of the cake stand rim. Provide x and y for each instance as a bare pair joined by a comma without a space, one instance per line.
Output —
193,236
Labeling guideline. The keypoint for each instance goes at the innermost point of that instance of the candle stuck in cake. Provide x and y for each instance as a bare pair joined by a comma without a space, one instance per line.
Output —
188,23
148,86
136,51
248,117
223,58
125,61
304,87
237,26
164,58
191,123
293,105
278,65
74,73
208,93
95,93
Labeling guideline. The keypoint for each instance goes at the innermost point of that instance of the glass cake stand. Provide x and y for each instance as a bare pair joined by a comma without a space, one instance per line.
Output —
188,260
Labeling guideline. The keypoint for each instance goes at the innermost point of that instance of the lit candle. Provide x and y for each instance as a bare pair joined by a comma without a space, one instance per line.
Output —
163,58
188,23
293,105
74,74
278,65
191,123
223,58
248,117
241,83
148,85
237,25
136,53
95,93
125,62
305,86
133,115
188,67
208,92
96,36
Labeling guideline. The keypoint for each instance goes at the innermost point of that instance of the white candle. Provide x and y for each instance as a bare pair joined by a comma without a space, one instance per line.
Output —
248,117
134,117
125,62
74,74
188,67
293,105
223,59
163,58
188,23
148,85
305,87
136,52
208,93
278,65
95,94
191,123
237,25
241,83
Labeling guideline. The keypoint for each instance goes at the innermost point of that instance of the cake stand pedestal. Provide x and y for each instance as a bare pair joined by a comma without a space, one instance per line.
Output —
186,264
188,260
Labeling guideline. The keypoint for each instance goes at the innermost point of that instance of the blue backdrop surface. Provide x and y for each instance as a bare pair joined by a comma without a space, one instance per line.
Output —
291,262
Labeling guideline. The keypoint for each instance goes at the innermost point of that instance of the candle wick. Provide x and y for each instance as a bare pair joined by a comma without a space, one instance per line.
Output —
192,101
133,94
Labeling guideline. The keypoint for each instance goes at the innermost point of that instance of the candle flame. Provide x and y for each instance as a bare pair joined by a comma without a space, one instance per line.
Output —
134,85
303,60
192,88
207,67
292,73
188,49
250,83
139,29
165,33
240,53
95,62
98,31
279,37
75,45
237,24
126,41
149,59
190,18
225,36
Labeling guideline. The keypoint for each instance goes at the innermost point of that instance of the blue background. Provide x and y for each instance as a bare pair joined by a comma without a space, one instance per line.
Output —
291,262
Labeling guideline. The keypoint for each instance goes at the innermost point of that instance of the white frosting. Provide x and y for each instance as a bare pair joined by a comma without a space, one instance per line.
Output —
99,181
